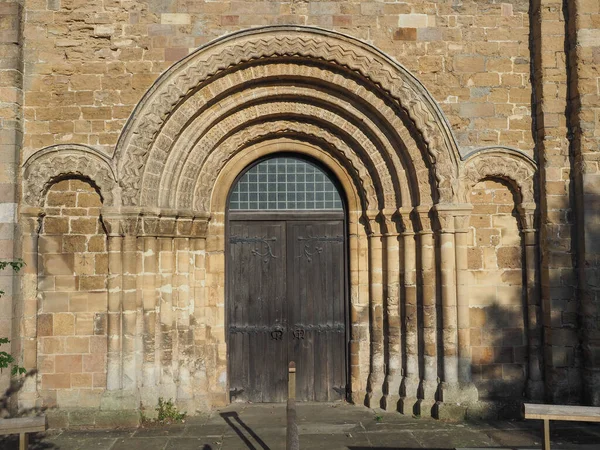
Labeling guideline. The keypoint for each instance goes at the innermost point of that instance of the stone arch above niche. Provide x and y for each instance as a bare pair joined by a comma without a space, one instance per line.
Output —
293,43
51,164
510,165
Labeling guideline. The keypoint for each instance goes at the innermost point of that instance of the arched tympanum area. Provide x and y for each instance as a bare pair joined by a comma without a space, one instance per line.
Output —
366,121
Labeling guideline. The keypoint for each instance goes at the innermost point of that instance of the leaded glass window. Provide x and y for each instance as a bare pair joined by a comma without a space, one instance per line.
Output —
285,183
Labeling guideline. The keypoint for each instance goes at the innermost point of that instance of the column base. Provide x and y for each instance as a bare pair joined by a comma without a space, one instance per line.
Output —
392,392
409,396
427,399
120,400
375,399
454,400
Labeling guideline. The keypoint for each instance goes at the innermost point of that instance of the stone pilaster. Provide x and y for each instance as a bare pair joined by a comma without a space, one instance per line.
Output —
461,230
25,320
149,297
182,310
115,268
410,381
392,313
428,284
535,381
455,393
377,375
557,267
583,121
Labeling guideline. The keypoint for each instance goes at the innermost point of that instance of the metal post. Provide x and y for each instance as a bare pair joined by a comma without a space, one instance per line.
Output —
292,441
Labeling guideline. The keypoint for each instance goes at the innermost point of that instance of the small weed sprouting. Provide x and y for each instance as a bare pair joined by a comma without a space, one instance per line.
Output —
167,412
378,418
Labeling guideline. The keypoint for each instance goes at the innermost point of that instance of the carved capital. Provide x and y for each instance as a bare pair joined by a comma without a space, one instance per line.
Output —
423,213
406,218
527,211
453,217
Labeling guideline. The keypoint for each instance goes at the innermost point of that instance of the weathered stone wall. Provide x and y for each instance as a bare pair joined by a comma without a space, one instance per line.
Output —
497,318
72,316
519,74
89,62
11,97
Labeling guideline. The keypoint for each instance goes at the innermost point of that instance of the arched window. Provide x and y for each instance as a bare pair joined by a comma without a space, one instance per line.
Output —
285,183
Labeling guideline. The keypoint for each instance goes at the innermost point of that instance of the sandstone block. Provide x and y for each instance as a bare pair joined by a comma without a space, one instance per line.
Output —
67,363
77,344
56,381
64,324
469,63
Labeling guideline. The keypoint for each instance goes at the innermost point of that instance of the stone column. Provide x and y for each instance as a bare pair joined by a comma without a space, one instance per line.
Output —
166,264
377,375
410,381
461,230
392,313
197,325
449,311
129,310
359,309
535,381
149,296
115,268
25,319
455,392
182,309
428,284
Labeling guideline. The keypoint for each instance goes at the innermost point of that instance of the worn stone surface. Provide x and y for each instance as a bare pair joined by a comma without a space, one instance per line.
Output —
324,426
464,134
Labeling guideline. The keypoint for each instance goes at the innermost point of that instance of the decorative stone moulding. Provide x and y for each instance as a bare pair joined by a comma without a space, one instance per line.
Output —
137,222
50,164
331,51
507,164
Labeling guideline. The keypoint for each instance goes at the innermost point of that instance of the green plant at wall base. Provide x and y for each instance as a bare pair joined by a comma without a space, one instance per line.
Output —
6,359
167,411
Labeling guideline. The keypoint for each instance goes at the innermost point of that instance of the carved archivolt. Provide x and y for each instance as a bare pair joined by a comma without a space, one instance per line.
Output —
507,164
205,181
307,43
46,166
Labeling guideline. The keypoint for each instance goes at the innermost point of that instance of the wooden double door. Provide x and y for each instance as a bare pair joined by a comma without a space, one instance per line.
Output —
286,301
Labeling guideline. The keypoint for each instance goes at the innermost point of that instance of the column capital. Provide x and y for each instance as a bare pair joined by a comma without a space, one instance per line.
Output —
137,222
453,217
405,214
423,213
389,218
374,220
527,212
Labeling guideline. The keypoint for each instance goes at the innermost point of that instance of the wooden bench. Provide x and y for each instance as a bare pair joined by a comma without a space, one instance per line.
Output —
559,412
23,426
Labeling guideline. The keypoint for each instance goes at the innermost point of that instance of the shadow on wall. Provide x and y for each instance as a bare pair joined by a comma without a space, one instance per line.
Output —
499,351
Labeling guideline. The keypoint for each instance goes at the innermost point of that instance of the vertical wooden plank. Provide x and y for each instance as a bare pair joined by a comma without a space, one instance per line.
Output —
23,441
546,445
316,292
255,301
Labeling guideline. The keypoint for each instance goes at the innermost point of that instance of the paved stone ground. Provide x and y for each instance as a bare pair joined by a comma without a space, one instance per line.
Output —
321,426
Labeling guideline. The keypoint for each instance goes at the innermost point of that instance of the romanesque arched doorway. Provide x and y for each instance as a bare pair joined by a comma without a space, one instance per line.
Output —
286,282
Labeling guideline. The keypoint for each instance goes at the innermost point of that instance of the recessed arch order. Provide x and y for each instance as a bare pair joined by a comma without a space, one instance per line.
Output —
287,82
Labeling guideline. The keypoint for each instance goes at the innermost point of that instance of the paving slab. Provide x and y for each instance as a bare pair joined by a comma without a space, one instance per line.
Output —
321,427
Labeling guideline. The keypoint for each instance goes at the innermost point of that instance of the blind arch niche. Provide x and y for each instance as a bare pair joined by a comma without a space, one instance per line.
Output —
285,183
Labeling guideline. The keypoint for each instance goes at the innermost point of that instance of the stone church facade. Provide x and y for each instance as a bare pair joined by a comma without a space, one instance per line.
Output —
462,137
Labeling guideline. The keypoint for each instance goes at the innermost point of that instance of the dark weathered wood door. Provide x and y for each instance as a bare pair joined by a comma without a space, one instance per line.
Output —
286,302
